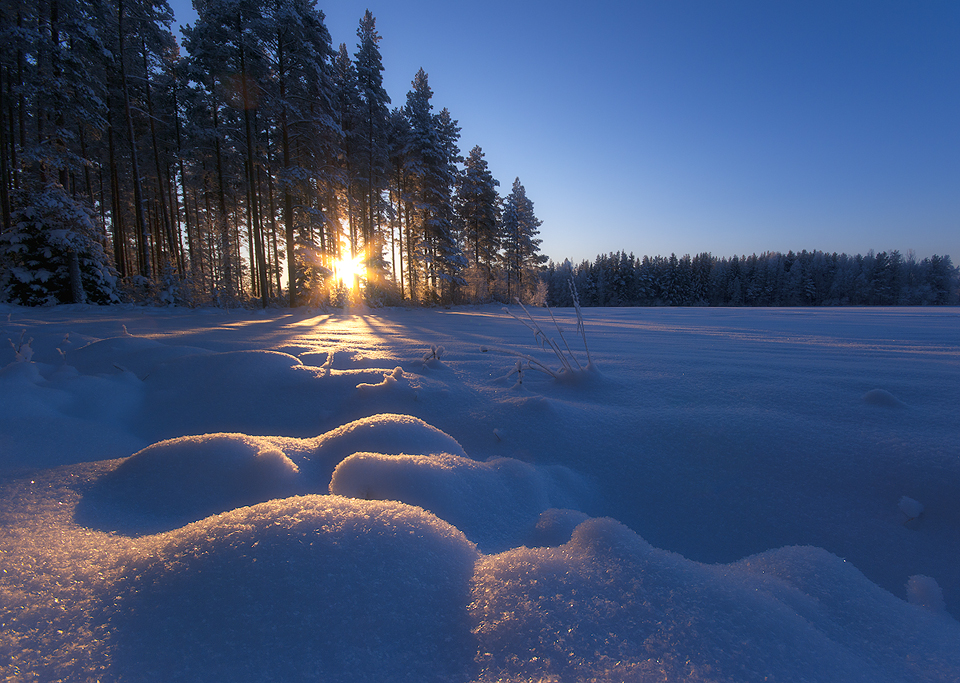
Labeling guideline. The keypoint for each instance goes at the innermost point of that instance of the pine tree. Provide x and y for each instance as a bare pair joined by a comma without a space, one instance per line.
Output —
434,259
521,246
478,210
398,144
347,105
229,53
371,129
52,253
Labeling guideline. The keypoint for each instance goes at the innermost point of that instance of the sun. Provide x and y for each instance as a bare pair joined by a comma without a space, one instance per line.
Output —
349,271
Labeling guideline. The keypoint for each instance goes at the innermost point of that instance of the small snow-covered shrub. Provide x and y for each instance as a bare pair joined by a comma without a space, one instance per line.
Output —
435,353
52,253
312,279
518,371
22,349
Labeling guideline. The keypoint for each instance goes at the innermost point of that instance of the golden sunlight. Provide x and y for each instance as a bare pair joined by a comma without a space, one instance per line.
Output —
349,271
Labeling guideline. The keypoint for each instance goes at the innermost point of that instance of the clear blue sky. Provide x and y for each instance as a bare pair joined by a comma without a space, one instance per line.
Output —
693,125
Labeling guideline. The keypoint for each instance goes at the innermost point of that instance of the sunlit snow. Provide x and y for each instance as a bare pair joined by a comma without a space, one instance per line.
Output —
724,495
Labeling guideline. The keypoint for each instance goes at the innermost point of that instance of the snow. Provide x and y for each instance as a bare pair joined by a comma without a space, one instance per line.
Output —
497,503
910,507
725,495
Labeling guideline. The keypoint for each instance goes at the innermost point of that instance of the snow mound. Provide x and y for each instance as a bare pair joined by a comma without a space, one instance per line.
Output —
494,503
23,373
386,433
843,605
910,507
390,379
232,391
178,481
555,527
610,606
138,355
50,415
305,588
925,592
882,398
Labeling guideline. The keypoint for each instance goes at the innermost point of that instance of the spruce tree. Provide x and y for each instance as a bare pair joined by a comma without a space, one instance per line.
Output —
52,253
371,129
521,246
478,210
434,258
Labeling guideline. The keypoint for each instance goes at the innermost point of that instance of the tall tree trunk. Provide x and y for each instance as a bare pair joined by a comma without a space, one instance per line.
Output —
143,236
292,265
103,206
119,238
224,231
164,226
21,104
88,180
273,233
39,106
399,228
258,259
192,245
11,115
4,170
174,205
411,263
63,175
251,253
264,238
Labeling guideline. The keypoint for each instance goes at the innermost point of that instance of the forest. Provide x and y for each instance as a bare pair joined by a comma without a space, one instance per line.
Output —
770,279
254,164
260,166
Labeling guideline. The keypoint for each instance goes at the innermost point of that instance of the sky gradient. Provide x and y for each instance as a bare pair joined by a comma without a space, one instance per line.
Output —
692,126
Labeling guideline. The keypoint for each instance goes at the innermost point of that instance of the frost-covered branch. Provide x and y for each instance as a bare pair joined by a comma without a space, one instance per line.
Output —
580,329
435,353
532,362
539,336
565,355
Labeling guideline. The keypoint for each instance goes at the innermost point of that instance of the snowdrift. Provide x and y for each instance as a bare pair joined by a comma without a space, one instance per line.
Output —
306,588
734,496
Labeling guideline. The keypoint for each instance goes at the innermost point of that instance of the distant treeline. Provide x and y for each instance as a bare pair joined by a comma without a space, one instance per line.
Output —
770,279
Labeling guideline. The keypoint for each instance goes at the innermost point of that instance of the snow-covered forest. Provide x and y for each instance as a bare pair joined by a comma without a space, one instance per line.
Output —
771,279
133,170
258,164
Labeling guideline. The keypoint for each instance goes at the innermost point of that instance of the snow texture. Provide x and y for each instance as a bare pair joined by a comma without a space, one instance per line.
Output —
496,504
304,588
728,495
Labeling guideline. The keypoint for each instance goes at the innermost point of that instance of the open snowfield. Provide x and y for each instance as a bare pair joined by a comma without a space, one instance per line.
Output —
729,495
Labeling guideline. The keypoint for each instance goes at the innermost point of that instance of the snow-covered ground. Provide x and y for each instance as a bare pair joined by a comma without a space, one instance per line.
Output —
728,495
